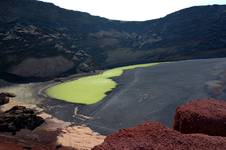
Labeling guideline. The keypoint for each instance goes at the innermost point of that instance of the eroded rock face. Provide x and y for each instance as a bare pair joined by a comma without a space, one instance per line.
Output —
154,136
42,67
17,118
202,116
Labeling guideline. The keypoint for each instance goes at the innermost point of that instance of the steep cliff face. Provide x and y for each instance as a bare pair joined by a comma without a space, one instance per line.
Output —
31,29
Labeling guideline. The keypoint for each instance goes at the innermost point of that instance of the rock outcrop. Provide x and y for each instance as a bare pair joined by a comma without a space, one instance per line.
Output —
198,125
154,136
202,116
4,97
18,118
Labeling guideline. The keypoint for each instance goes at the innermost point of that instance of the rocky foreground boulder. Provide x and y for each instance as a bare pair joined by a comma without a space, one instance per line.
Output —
155,136
17,118
203,121
202,116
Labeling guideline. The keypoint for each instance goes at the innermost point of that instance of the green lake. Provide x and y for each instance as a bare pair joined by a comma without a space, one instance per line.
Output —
89,89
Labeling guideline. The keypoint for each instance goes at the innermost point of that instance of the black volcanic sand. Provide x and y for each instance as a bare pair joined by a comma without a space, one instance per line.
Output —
154,93
143,94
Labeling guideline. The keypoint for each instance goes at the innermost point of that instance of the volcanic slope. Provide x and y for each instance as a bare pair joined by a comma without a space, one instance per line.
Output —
51,41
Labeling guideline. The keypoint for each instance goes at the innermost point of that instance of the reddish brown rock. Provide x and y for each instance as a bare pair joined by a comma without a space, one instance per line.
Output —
154,136
9,143
202,116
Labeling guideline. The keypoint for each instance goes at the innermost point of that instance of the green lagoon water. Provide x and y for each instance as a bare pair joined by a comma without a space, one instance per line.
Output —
90,89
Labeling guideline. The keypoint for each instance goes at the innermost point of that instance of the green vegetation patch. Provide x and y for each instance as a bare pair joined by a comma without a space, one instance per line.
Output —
90,89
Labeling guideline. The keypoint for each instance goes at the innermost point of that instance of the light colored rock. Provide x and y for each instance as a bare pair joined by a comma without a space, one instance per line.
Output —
79,137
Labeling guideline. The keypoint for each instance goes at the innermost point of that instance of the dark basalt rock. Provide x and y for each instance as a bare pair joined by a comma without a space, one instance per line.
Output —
4,97
19,117
206,116
7,94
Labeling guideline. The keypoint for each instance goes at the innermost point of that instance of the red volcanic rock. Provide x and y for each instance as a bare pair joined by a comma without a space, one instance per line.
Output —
154,136
202,116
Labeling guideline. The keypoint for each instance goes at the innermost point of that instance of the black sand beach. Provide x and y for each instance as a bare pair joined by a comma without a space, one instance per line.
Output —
142,94
154,93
